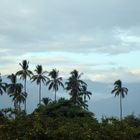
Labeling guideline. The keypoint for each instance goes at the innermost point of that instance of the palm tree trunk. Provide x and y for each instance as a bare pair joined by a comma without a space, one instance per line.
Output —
121,107
40,93
19,108
15,105
55,95
25,93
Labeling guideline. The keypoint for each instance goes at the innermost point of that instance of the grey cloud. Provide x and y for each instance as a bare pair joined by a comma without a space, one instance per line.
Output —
102,42
52,26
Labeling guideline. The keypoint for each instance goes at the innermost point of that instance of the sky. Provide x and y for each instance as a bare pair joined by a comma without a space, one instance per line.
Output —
100,38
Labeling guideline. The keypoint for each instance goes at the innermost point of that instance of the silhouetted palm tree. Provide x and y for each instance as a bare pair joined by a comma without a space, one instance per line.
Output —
14,90
18,97
119,91
2,86
75,86
24,73
39,77
55,81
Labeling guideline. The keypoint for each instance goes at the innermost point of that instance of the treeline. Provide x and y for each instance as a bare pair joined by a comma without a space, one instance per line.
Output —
63,120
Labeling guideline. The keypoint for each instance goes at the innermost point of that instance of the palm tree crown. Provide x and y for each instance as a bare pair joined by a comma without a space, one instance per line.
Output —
119,91
55,81
24,72
39,77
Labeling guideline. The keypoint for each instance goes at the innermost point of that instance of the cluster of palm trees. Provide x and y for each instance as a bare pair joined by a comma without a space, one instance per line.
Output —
76,87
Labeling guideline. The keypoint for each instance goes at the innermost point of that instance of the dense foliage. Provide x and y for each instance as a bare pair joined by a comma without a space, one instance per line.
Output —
63,120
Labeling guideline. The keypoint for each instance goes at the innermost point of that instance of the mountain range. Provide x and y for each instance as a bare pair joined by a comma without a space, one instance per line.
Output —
102,102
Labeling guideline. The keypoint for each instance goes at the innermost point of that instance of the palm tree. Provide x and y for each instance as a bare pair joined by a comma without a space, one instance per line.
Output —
18,97
39,78
55,81
75,86
119,91
15,90
24,73
2,86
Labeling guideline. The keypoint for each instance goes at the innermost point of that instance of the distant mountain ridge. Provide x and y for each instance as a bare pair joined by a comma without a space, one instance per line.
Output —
102,102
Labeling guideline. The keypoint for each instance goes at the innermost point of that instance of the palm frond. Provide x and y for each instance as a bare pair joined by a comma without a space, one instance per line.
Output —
51,85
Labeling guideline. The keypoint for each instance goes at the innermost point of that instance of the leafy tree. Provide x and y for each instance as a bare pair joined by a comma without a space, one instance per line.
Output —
55,81
119,91
39,77
24,73
74,86
15,90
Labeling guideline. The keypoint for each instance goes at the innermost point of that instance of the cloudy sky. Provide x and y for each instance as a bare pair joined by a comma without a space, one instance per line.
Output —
100,38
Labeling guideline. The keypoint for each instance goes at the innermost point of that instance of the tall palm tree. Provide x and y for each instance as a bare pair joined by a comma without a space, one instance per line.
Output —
75,86
15,90
24,73
55,81
119,91
2,86
39,77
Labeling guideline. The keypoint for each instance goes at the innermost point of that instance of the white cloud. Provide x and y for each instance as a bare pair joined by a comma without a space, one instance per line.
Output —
81,26
135,71
98,77
110,75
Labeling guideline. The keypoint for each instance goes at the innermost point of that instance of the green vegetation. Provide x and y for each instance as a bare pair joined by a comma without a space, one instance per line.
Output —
61,119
